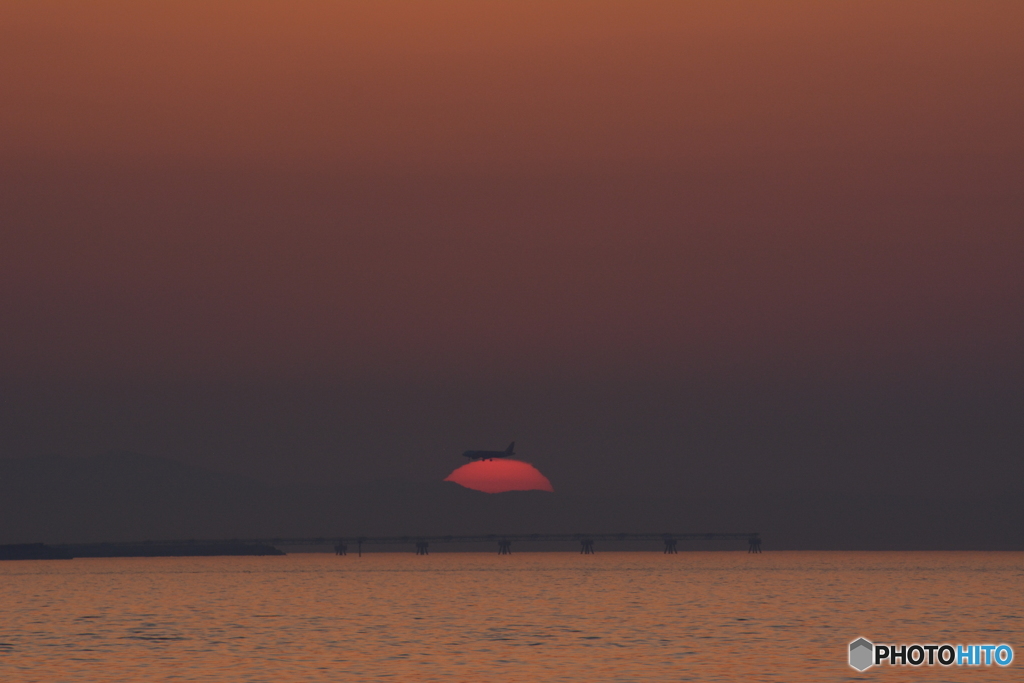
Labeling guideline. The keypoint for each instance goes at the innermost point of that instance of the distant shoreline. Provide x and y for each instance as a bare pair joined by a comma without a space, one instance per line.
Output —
40,551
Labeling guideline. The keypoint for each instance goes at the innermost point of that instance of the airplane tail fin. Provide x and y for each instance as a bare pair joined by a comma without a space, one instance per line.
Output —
509,451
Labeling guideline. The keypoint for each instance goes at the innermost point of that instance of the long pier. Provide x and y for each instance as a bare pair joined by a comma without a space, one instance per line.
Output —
504,541
268,546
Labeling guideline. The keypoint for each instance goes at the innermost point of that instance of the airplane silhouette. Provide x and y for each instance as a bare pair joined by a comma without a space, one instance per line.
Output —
490,455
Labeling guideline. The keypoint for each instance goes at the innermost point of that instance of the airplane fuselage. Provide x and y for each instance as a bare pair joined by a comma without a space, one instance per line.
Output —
490,455
484,455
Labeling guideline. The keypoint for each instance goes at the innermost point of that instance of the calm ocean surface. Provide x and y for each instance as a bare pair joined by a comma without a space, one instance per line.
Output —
696,616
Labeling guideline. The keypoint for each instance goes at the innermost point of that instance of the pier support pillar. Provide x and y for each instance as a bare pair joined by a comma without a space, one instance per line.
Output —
586,547
341,548
422,548
754,544
670,546
504,547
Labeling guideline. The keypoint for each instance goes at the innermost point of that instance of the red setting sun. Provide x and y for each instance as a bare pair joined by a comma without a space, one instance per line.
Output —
497,476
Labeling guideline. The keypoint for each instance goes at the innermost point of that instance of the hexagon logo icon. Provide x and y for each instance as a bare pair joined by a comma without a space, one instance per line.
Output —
862,653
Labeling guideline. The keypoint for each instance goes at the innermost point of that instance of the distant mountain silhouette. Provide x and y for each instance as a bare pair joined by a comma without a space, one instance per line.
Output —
128,497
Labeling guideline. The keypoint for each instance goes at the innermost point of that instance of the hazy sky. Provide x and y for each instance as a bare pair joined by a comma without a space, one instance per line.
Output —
659,244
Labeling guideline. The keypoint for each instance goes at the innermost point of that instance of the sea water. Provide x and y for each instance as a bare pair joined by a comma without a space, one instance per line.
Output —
612,616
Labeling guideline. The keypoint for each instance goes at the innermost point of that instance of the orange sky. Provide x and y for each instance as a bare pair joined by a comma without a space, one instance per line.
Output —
266,188
499,85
